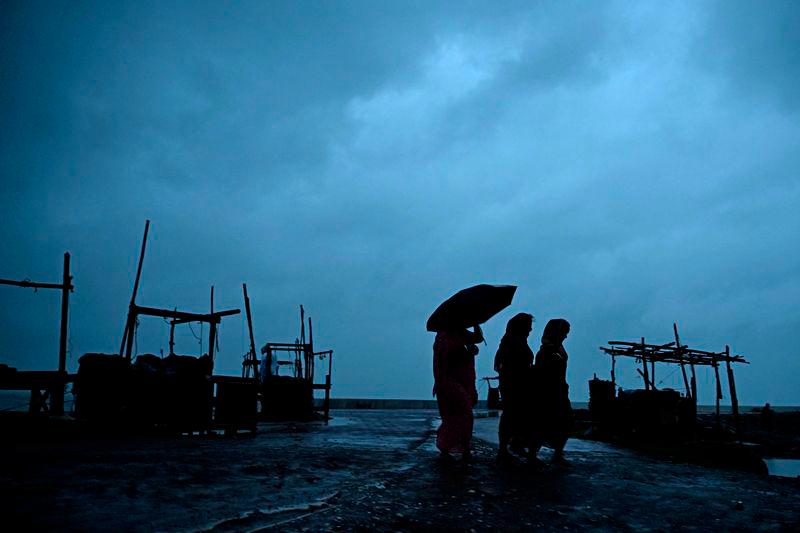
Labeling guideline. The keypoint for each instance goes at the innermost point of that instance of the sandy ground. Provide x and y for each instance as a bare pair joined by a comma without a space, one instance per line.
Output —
369,470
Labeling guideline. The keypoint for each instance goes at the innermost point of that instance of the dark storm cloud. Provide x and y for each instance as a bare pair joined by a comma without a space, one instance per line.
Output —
627,164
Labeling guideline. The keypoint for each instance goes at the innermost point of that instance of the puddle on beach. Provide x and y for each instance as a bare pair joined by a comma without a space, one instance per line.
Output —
486,429
783,467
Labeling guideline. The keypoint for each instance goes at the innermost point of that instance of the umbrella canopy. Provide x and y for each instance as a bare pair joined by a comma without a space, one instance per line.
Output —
471,307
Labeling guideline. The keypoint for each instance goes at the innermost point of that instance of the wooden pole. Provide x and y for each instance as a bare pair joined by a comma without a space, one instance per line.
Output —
172,336
130,330
645,374
328,387
302,325
127,331
310,353
212,333
327,407
653,373
613,365
719,389
732,388
679,349
253,357
212,338
57,400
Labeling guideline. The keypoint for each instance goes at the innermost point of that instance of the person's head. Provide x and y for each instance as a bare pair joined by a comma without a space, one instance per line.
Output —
520,324
555,332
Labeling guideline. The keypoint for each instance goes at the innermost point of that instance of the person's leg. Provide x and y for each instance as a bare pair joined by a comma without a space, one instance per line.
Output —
504,435
558,449
469,422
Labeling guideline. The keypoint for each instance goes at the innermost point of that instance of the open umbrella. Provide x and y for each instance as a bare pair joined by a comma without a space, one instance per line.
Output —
471,307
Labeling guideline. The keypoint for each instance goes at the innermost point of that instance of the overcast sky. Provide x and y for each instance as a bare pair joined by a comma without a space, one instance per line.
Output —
627,165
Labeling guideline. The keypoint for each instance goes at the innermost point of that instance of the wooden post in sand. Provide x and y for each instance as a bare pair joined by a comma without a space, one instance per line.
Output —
645,374
680,355
719,389
613,365
253,358
653,373
130,325
732,388
57,395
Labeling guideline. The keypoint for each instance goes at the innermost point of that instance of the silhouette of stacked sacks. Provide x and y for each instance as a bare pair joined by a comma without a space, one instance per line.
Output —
175,391
236,403
601,404
651,414
103,388
287,398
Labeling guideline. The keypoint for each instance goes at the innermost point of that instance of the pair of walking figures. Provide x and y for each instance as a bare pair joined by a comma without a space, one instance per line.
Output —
534,391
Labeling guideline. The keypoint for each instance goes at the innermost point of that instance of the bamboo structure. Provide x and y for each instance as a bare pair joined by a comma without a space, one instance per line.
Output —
677,353
52,383
300,362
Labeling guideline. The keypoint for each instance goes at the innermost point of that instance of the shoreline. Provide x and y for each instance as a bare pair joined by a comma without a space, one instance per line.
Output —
18,401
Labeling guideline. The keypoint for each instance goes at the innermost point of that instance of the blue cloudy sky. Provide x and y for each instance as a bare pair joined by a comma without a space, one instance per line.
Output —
627,164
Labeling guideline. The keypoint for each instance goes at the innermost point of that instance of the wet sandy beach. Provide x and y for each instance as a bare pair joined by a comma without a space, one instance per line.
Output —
370,470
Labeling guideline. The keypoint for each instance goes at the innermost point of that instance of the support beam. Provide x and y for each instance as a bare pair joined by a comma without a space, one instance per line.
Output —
680,356
613,367
719,390
645,375
127,333
253,357
653,374
182,316
34,284
732,389
57,400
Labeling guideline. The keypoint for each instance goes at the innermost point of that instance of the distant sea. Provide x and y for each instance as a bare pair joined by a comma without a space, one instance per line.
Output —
18,401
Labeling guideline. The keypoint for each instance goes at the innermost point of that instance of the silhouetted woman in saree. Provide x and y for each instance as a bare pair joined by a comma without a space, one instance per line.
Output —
513,363
552,411
454,387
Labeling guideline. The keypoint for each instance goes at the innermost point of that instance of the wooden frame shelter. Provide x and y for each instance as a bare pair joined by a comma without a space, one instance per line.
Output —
46,384
676,353
301,358
213,318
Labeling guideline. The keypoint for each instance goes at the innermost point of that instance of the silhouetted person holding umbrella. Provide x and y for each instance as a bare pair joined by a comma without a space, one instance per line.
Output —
454,354
552,411
513,363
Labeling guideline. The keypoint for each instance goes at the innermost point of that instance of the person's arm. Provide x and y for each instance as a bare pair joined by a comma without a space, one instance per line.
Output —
472,337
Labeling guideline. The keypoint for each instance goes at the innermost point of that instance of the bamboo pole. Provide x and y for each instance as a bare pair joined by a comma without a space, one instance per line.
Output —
680,355
310,354
57,400
732,388
645,375
719,389
212,334
653,373
129,332
253,356
613,365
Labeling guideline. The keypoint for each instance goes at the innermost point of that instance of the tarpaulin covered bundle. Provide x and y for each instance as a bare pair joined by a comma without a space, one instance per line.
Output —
188,392
651,413
148,378
103,387
236,403
601,401
287,398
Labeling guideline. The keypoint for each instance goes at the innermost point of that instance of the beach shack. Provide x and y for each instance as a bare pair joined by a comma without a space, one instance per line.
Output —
652,412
